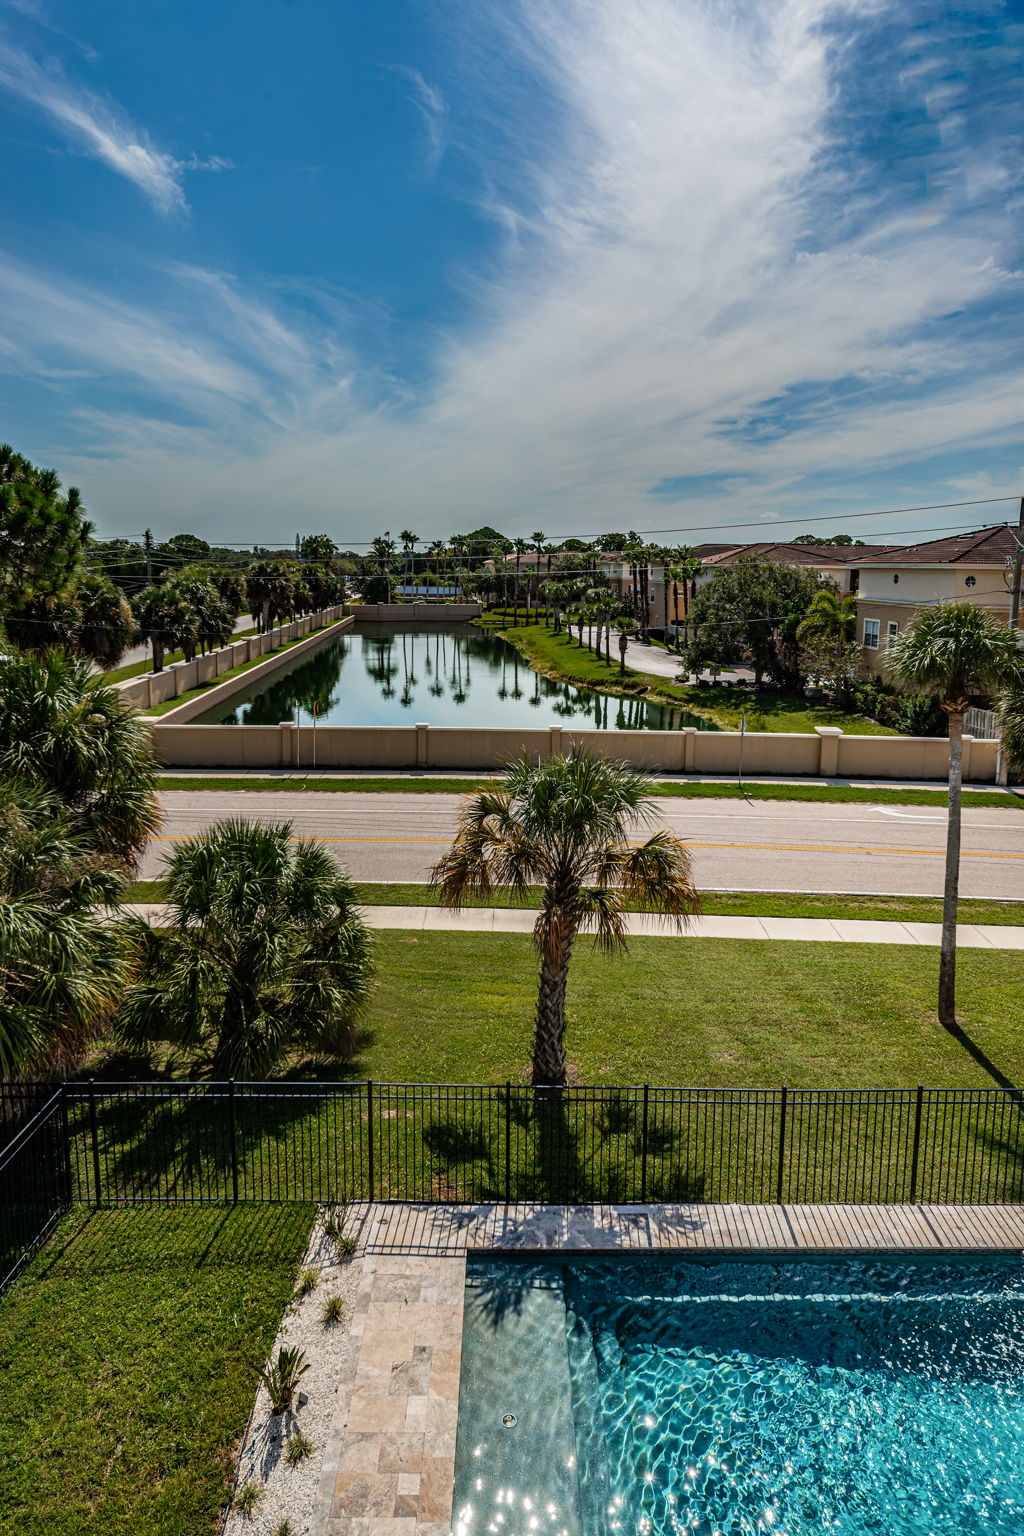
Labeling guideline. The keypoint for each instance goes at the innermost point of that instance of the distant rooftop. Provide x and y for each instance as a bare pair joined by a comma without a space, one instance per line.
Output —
800,554
985,546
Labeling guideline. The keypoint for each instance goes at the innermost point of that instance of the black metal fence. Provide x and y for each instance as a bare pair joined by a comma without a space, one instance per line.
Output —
102,1143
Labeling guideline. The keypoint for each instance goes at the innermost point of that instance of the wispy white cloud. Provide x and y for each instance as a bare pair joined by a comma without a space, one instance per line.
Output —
432,107
99,128
700,281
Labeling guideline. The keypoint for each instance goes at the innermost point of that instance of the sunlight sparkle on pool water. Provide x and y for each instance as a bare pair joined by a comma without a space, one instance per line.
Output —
742,1398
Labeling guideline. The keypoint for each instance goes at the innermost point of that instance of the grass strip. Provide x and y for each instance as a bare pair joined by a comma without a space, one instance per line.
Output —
129,1352
797,904
215,682
561,657
663,789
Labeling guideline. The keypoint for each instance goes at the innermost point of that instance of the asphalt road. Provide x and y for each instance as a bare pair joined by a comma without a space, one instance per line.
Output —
781,846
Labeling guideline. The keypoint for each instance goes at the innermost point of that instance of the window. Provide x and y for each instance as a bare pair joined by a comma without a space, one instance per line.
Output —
892,629
871,634
855,581
970,581
895,579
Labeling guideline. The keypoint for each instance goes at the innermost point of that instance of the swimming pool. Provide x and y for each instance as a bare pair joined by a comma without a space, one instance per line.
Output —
739,1397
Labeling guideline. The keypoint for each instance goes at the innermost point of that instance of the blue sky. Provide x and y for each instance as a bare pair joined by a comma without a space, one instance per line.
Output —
289,265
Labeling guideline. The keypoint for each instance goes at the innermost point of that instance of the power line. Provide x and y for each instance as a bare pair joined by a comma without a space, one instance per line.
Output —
820,517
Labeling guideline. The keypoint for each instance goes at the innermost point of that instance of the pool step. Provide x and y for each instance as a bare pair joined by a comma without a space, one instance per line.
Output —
515,1461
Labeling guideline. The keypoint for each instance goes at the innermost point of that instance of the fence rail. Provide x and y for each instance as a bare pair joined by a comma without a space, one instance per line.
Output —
101,1143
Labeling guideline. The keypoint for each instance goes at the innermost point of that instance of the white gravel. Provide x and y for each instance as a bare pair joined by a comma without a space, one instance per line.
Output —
289,1492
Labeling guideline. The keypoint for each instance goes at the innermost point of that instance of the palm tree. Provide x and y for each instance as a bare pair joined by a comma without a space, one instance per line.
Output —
565,825
168,621
108,628
952,651
1011,720
62,727
63,962
409,542
627,628
264,953
830,618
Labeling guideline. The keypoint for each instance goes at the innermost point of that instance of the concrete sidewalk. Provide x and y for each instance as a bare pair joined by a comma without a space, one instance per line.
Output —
817,930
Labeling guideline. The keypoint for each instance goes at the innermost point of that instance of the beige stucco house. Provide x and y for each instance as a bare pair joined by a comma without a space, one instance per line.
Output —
894,585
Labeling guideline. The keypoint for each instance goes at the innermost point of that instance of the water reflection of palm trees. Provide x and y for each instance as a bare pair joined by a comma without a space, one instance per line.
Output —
379,662
408,664
310,682
403,664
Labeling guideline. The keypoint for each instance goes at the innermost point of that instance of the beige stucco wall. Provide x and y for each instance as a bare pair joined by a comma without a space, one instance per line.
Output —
152,688
826,753
414,613
222,691
924,584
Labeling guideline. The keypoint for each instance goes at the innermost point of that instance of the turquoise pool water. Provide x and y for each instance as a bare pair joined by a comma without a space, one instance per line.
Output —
390,674
670,1398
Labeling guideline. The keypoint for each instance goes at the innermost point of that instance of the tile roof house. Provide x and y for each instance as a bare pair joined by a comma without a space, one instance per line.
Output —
895,584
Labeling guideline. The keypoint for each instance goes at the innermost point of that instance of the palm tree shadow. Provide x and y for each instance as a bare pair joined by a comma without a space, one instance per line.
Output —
986,1064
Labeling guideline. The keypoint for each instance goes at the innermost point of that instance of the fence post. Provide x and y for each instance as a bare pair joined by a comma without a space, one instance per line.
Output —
66,1128
508,1143
782,1145
369,1127
95,1141
643,1148
234,1141
915,1155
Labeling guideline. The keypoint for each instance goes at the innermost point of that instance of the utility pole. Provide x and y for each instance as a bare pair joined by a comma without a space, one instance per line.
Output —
298,555
148,541
1018,562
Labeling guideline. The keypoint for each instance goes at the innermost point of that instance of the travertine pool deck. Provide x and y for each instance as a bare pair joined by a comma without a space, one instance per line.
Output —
389,1468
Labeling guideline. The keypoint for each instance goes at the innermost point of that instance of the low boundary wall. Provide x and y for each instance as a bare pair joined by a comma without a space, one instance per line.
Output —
408,613
827,753
152,688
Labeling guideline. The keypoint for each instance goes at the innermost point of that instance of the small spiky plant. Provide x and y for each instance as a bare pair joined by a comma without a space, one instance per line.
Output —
307,1282
298,1448
283,1528
247,1499
334,1225
281,1377
332,1312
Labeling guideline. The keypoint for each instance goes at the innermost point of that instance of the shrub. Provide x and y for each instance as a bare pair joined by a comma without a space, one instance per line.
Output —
307,1282
333,1311
282,1376
247,1499
298,1448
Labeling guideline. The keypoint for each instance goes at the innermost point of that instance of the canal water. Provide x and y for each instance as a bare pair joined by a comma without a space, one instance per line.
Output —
388,674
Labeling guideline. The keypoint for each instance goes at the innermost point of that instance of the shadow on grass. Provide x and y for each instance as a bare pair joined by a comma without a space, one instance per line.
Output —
147,1238
986,1063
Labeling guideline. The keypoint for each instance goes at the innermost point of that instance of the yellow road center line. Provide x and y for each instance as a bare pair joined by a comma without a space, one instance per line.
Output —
441,842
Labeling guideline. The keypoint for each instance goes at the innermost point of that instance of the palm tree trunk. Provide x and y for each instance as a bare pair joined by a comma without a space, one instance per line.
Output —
548,1067
951,888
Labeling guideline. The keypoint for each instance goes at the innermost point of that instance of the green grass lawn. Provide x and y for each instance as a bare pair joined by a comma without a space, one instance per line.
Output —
709,1012
458,1007
670,789
913,909
562,656
128,1359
